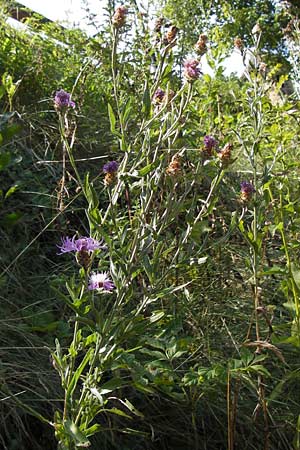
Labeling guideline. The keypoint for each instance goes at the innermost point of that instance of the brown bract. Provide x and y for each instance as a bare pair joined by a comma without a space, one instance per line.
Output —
110,178
174,168
119,17
225,154
200,46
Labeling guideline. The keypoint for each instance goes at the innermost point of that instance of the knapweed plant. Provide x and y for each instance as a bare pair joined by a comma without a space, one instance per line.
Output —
131,272
173,259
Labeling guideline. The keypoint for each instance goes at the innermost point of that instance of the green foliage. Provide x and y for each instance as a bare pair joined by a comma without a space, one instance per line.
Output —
224,20
197,345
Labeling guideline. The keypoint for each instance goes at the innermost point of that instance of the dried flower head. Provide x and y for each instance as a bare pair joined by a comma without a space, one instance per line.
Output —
203,37
291,27
191,69
225,154
200,46
110,178
158,24
256,29
169,96
247,189
170,35
62,100
119,17
263,68
100,281
238,43
174,168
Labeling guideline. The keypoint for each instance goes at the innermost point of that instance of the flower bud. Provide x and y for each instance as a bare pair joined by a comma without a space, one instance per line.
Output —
110,169
247,189
200,46
158,24
210,144
62,100
84,259
238,43
171,34
158,96
256,29
119,17
174,168
225,154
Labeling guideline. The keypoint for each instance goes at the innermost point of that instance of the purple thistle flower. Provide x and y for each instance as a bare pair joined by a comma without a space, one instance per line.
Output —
159,95
83,244
100,281
63,100
111,167
247,188
209,142
191,69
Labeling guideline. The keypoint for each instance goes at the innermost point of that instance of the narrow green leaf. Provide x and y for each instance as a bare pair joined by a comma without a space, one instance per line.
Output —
118,412
78,372
156,316
11,190
146,101
112,119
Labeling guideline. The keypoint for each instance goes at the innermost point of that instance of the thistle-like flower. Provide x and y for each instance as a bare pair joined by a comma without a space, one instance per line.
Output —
162,97
191,70
82,247
158,96
100,281
62,100
210,144
110,169
247,189
119,17
87,244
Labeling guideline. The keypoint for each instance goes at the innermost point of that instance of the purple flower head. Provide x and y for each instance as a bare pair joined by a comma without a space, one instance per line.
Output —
63,100
247,188
111,167
100,281
191,69
83,244
159,95
209,142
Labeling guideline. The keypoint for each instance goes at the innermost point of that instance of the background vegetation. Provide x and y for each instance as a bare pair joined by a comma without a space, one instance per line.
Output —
198,346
